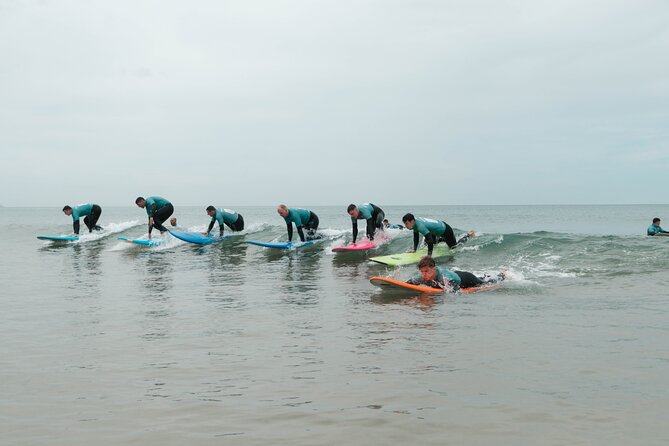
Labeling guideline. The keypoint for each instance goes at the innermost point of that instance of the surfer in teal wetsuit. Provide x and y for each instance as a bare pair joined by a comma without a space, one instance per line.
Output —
371,213
387,225
434,232
232,219
433,276
158,209
656,229
303,219
90,212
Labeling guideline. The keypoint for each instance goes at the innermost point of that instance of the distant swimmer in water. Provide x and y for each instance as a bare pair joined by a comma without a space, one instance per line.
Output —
90,212
158,209
387,225
433,276
173,222
231,219
303,219
434,232
656,229
369,212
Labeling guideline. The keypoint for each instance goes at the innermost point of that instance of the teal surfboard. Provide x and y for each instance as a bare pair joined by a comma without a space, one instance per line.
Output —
198,238
287,245
58,238
140,241
406,258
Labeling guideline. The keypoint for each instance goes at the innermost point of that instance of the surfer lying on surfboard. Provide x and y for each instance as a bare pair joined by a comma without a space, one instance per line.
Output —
433,276
434,232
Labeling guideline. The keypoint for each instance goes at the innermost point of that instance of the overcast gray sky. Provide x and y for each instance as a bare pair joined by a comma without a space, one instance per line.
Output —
330,102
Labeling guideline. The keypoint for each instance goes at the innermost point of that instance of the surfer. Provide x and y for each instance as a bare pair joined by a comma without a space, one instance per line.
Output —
158,209
367,211
656,229
434,232
173,222
387,225
232,219
433,276
302,218
90,212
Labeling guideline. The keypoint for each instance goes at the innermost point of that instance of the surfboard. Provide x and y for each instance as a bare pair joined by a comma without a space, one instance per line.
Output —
398,285
287,245
407,258
141,241
58,238
360,246
198,238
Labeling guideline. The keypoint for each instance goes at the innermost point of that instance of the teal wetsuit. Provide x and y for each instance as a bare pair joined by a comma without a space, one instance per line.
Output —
160,210
302,219
90,212
232,219
431,229
655,229
455,279
443,277
374,216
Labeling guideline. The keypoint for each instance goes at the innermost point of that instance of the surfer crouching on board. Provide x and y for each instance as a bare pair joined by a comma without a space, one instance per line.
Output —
434,232
90,212
433,276
656,229
371,213
232,219
158,209
303,219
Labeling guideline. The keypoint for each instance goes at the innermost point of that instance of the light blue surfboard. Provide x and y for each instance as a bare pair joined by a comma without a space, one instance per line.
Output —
58,238
198,238
140,241
286,245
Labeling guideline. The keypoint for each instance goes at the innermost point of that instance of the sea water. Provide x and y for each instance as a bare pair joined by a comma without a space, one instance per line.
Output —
103,342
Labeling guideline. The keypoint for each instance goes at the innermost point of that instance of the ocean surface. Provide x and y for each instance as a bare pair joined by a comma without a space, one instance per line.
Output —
107,343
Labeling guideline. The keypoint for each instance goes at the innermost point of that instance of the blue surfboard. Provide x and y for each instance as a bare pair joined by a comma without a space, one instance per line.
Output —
140,241
198,238
58,238
286,245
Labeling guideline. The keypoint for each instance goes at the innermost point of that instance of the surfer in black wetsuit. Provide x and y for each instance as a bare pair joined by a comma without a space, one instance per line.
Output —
158,209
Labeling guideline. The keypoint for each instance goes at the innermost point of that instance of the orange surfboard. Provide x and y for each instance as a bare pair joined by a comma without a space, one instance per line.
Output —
392,284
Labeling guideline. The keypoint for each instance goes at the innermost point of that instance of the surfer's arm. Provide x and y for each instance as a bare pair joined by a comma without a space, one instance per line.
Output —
415,280
301,233
354,223
289,226
416,237
75,226
211,225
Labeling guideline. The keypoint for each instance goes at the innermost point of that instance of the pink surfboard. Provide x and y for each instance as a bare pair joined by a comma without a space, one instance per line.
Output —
360,246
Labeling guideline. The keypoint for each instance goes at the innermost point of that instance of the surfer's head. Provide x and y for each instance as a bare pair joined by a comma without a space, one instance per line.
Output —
353,210
409,220
67,210
282,209
386,223
139,201
427,268
656,220
173,221
211,211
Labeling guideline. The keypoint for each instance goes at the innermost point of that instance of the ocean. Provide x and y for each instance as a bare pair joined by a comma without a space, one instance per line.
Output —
108,343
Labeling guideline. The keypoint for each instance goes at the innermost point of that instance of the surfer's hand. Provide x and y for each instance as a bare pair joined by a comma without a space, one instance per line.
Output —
151,221
411,251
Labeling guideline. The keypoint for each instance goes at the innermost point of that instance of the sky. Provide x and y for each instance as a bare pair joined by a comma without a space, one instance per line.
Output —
247,102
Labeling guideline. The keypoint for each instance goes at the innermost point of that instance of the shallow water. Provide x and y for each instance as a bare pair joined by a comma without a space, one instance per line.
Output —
108,343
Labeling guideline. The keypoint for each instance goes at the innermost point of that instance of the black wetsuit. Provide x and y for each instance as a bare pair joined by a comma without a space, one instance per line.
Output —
310,226
90,220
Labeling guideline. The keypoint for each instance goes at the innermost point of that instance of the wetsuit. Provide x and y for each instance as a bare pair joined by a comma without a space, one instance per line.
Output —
454,279
655,229
160,209
302,219
232,219
91,214
434,232
374,216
